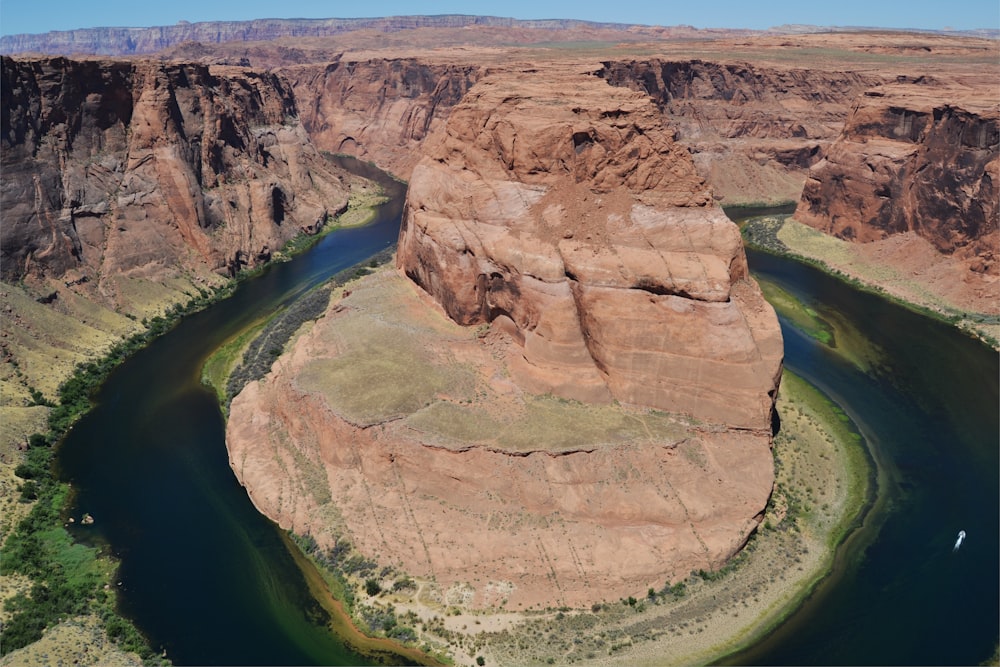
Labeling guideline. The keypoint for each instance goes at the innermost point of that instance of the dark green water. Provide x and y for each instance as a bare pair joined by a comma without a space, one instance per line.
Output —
202,573
927,400
210,580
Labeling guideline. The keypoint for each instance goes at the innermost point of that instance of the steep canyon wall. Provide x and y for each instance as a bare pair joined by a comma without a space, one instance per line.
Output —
914,157
381,109
753,129
143,168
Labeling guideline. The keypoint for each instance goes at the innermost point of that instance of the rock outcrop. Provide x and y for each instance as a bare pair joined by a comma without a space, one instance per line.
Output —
379,109
561,209
142,168
907,161
754,129
576,255
390,428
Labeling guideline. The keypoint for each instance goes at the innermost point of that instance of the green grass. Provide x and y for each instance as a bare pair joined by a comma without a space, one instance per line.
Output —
215,373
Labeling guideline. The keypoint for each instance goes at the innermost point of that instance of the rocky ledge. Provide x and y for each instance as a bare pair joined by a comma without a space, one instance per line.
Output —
918,156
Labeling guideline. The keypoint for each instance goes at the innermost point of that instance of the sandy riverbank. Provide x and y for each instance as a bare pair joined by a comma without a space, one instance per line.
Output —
902,267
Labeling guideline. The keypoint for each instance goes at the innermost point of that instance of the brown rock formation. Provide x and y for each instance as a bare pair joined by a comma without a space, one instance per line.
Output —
908,161
380,109
446,470
110,41
561,209
142,168
754,129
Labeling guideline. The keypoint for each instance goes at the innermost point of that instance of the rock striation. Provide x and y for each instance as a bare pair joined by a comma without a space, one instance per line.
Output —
120,41
151,169
908,162
561,210
390,428
753,128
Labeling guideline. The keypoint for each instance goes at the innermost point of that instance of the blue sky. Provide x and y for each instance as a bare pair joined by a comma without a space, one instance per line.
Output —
26,16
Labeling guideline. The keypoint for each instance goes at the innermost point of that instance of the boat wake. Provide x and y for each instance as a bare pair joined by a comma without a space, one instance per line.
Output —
958,542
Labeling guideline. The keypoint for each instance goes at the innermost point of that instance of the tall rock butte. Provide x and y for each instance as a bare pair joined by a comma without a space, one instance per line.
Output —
561,210
557,215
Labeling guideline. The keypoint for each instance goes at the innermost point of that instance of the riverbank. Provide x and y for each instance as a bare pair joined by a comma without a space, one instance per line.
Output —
903,268
823,483
62,348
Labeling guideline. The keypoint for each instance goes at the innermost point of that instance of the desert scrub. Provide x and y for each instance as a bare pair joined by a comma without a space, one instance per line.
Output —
68,579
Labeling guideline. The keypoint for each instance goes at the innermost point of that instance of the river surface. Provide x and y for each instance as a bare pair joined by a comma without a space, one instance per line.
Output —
211,581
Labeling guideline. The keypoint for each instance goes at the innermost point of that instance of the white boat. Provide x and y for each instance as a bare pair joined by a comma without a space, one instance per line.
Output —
958,542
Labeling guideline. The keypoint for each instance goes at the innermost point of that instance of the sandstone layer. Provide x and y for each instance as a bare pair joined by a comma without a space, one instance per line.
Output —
754,128
920,157
461,28
380,109
115,169
561,209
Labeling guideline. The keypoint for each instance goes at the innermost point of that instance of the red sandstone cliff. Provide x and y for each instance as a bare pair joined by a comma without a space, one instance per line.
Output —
753,129
141,168
914,157
561,208
557,214
380,109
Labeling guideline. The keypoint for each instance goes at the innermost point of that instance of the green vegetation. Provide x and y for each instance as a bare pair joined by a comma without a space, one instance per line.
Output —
218,367
70,579
801,316
262,350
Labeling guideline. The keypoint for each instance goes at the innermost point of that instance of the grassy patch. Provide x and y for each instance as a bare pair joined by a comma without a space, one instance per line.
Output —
546,423
220,365
381,375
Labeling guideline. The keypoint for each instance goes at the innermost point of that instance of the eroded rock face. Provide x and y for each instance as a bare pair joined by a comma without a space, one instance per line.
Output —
754,129
391,428
380,109
560,209
141,168
908,162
